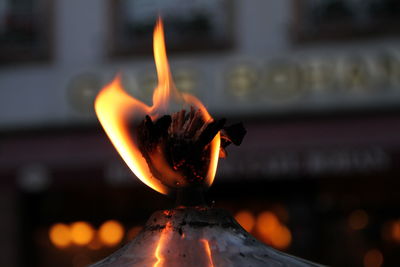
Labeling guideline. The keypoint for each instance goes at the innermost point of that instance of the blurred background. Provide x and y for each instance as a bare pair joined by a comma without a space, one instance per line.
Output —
316,83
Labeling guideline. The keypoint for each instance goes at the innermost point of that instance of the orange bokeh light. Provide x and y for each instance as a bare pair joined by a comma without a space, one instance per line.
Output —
246,219
60,235
395,231
115,110
81,233
111,233
373,258
272,232
391,231
358,220
282,238
267,223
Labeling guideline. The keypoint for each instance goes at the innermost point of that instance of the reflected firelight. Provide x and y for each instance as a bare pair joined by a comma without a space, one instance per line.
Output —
161,244
208,251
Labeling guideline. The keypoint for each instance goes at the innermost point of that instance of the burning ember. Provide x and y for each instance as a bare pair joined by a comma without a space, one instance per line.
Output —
177,150
166,152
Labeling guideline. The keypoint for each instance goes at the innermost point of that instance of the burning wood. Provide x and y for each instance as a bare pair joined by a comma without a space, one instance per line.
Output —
183,140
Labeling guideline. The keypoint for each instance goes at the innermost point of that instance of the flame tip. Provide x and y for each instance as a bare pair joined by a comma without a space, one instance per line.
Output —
118,78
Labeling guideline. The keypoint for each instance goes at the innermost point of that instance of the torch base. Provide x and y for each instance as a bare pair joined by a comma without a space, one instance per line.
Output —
197,236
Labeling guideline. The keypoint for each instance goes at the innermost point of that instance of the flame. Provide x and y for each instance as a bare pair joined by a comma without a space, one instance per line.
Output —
208,251
115,109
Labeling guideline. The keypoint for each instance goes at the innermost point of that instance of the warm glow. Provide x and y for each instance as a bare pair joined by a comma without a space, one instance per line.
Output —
272,232
80,260
358,219
208,251
267,223
95,244
246,219
282,238
391,231
116,109
395,231
60,235
133,232
373,258
111,233
81,233
161,245
281,212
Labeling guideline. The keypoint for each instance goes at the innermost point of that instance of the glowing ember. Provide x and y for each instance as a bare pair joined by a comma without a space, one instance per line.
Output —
116,110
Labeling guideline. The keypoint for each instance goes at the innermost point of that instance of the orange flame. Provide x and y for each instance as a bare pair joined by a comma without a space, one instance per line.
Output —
115,109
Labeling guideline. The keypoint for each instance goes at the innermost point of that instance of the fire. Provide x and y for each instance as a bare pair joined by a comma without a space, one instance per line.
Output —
115,110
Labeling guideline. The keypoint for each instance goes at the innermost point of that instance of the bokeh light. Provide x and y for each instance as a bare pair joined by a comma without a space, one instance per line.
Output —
358,220
267,223
282,238
60,235
395,231
82,233
246,219
111,232
373,258
391,231
271,231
